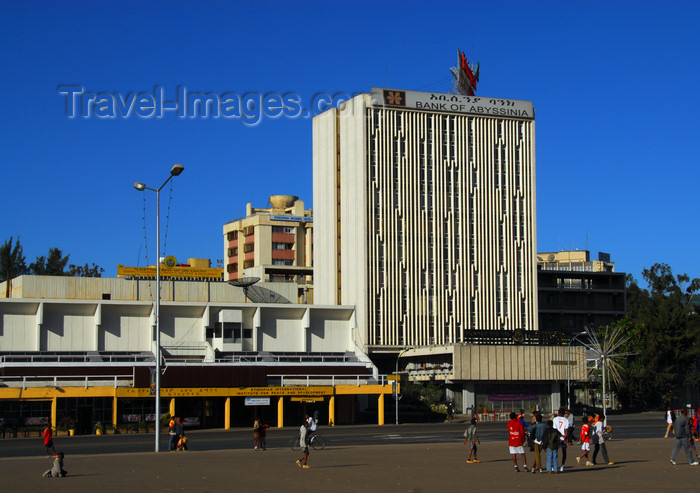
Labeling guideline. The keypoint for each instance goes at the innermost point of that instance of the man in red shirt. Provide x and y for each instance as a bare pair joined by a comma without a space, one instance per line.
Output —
516,440
48,440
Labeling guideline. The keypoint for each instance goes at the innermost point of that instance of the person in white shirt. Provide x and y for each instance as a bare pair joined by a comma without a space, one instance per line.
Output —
670,418
572,426
600,445
561,424
311,429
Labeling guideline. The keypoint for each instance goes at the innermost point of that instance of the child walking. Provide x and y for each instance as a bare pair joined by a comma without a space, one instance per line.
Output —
471,439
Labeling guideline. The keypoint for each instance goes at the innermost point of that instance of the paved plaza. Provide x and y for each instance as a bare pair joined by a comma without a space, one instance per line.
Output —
640,465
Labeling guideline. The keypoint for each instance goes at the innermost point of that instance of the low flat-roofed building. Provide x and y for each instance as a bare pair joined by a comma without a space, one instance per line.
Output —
69,350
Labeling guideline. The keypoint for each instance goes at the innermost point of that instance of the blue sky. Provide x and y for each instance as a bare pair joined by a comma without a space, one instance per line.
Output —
614,84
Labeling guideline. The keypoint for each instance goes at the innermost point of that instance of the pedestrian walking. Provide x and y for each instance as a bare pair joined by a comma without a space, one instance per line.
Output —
47,434
585,441
572,427
471,439
256,434
599,441
303,441
263,436
670,418
173,437
681,427
516,441
178,432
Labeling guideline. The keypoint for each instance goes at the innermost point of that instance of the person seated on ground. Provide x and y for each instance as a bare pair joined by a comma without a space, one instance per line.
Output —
56,470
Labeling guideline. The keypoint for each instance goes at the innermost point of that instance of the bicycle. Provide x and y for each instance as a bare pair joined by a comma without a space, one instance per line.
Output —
317,441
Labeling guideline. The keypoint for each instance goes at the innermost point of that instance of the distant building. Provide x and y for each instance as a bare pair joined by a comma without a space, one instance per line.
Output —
575,291
273,244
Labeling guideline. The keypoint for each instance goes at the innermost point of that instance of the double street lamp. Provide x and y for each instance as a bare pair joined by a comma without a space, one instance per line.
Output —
176,170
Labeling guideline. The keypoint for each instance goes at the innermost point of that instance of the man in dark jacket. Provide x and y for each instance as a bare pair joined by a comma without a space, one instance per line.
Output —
681,427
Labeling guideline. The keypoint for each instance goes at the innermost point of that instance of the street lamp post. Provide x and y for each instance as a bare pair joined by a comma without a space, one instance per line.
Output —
568,369
174,171
396,385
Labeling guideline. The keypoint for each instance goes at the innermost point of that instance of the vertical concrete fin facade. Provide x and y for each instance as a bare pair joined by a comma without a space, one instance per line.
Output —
436,224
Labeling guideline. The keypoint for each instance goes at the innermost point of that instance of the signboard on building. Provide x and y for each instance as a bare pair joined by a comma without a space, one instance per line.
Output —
257,401
513,397
292,218
452,103
247,391
191,272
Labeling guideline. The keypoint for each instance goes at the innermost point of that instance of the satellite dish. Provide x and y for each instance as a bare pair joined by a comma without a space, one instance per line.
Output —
245,283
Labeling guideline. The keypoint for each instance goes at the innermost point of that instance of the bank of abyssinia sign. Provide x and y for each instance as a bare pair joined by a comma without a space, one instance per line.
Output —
452,103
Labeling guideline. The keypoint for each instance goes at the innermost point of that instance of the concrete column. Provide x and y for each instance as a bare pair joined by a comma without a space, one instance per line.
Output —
280,412
172,406
380,420
37,332
257,323
556,396
54,408
96,329
114,411
306,326
331,411
468,397
227,414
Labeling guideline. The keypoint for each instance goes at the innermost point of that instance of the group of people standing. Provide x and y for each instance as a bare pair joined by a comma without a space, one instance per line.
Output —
551,437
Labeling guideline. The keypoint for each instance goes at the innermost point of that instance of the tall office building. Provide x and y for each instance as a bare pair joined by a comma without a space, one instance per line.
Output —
425,216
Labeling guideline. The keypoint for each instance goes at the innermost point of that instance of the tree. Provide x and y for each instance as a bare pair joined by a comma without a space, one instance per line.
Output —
85,270
665,334
12,263
52,265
